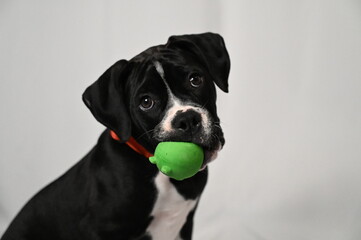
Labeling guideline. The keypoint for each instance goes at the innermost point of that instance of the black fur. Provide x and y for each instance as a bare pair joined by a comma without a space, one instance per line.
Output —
110,193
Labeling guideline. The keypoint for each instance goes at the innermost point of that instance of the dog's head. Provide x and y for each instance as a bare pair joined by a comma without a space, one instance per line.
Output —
165,93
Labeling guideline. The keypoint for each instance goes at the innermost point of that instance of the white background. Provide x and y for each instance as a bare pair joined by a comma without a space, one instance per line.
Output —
291,166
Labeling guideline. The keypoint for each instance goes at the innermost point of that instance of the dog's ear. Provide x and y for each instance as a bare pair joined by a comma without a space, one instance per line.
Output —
105,99
211,51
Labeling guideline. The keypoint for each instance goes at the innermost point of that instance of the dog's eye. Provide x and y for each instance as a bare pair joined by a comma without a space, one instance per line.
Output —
196,80
146,103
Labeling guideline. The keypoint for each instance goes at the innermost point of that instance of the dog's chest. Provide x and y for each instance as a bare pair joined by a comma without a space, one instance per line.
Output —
170,211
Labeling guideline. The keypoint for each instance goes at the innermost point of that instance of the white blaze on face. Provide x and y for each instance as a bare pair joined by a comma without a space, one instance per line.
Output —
175,105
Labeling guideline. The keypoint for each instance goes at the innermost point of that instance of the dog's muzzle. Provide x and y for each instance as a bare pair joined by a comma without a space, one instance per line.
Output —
192,126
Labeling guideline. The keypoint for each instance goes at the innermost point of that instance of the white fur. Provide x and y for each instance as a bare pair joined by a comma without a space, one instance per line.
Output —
170,210
175,105
159,69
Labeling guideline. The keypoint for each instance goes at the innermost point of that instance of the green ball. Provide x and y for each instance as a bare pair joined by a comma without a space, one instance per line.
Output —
178,160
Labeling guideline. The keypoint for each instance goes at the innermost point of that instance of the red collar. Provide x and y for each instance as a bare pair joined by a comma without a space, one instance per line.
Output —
133,144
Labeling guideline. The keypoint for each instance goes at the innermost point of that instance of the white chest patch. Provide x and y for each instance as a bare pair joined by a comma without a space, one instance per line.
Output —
170,211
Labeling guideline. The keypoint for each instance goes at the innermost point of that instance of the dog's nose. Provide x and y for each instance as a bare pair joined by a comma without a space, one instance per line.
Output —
187,122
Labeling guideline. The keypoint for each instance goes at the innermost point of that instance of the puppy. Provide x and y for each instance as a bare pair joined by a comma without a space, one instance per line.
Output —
166,93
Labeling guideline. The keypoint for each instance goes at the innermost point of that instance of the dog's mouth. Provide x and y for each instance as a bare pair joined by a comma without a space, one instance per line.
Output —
210,154
210,150
210,141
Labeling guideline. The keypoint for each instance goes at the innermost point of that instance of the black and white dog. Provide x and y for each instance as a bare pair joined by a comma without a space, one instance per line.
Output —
165,93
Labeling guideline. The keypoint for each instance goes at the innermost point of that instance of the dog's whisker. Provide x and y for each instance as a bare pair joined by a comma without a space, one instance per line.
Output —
217,126
219,122
204,105
145,133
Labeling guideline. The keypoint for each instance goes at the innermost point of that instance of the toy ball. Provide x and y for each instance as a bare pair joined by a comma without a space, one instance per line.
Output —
178,160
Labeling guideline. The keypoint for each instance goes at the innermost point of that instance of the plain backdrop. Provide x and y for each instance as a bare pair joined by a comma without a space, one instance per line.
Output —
291,166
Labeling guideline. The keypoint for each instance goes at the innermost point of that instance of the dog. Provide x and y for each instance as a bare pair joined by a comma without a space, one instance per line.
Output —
166,93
